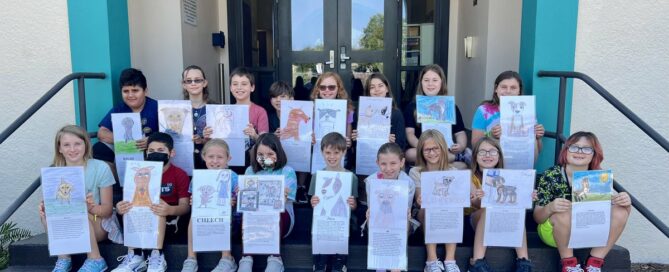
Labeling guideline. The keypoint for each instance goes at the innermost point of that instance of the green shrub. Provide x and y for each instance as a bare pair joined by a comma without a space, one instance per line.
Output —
10,233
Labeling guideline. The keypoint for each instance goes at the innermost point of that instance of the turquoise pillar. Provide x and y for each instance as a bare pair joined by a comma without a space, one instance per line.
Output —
548,42
99,42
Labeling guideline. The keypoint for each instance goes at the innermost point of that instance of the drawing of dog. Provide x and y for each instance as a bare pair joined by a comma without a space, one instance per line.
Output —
292,129
582,194
206,194
505,193
441,188
141,179
64,192
174,119
127,124
224,119
385,216
437,110
517,126
326,120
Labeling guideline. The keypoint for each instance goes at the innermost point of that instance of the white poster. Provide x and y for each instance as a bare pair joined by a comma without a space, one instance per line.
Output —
444,225
142,189
261,233
517,118
591,208
330,229
441,189
211,211
296,132
388,223
330,116
445,129
263,193
373,130
64,193
127,129
175,117
228,123
504,226
508,188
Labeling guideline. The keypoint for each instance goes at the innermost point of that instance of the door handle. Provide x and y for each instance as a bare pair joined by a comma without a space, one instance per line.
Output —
342,55
331,62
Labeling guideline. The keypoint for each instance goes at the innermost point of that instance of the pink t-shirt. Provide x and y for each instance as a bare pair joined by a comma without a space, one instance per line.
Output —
258,118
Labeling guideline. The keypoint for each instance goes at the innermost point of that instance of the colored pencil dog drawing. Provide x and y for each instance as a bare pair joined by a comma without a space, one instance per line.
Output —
292,129
174,119
127,124
64,192
141,179
517,125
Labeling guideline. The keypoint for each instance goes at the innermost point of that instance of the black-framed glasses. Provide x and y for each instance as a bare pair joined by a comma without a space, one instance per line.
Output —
434,150
191,81
328,87
491,153
577,149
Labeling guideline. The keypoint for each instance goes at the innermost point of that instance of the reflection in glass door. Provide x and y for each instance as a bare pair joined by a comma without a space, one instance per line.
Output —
351,37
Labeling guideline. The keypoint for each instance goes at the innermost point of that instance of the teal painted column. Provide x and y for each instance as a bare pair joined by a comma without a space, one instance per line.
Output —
99,42
548,42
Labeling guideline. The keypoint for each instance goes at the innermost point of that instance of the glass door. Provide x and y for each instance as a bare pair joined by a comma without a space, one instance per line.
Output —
351,37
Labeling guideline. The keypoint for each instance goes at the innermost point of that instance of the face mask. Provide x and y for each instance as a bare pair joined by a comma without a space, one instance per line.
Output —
158,157
265,162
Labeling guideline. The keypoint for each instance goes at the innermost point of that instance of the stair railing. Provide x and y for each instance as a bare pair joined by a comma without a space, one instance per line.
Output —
81,90
560,139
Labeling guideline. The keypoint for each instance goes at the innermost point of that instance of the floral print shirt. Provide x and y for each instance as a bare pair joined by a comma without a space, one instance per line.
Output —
552,184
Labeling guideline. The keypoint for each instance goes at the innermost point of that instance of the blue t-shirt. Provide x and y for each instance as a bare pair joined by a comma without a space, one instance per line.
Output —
97,175
148,116
290,179
486,117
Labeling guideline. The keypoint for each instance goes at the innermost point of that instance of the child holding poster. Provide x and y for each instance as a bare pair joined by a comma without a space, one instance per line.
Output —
432,82
194,85
488,155
486,118
333,148
268,158
582,151
431,149
174,200
377,86
278,91
330,86
242,84
216,155
73,148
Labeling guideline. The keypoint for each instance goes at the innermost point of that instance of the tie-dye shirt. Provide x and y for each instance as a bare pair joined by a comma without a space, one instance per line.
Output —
486,117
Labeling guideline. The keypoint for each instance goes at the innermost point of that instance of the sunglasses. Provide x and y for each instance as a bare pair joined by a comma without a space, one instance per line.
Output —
191,81
328,87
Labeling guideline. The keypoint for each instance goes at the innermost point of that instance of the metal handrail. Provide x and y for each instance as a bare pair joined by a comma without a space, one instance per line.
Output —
51,93
560,139
32,110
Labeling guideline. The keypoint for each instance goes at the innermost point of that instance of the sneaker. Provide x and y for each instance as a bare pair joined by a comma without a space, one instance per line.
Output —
245,264
594,264
156,262
190,265
62,265
480,265
451,266
130,263
274,264
523,265
434,266
94,265
571,265
339,264
226,264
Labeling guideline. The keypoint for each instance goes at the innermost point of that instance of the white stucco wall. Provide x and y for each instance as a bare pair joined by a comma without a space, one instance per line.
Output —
35,50
623,46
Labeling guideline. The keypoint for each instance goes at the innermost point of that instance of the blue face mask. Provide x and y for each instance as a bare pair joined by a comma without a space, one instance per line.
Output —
158,157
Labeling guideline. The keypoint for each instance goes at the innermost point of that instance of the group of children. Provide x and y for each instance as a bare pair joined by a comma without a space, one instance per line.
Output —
407,144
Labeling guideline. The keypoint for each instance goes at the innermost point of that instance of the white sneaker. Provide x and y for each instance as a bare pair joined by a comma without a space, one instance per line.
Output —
190,265
245,264
156,262
451,266
226,264
274,264
130,263
434,266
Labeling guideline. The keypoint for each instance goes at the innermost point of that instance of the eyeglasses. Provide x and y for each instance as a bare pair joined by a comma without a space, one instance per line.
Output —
491,153
191,81
585,150
328,87
434,150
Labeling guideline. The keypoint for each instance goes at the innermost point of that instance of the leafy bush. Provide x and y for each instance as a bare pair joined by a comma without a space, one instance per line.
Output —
10,233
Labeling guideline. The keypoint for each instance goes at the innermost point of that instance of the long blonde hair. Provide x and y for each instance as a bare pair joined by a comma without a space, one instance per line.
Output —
58,158
439,140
